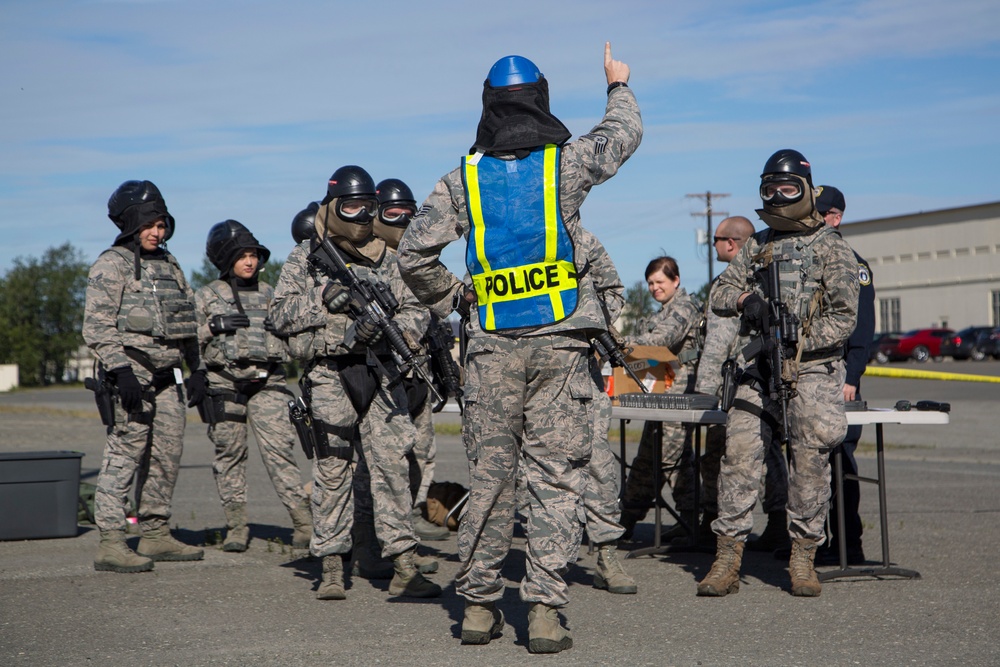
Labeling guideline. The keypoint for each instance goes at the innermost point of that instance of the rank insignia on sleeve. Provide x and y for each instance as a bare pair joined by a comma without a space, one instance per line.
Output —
600,143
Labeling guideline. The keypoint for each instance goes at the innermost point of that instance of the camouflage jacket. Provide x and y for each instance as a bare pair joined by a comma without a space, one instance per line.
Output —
722,342
298,307
819,261
674,326
443,218
248,352
602,271
123,313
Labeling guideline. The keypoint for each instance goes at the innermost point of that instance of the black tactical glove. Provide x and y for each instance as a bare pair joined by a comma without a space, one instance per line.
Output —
269,325
129,389
461,302
226,324
197,387
756,315
336,297
366,331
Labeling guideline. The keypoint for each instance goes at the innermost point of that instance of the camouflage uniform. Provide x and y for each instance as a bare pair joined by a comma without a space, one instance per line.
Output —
528,394
722,342
148,324
246,371
818,261
673,326
383,432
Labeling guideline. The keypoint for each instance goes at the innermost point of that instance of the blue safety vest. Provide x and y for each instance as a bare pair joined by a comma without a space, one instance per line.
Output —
519,254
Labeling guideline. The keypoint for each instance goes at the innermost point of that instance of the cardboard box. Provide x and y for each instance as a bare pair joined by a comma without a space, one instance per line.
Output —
655,366
39,494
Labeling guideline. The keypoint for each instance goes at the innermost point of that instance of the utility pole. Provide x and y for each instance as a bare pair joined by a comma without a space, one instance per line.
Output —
708,217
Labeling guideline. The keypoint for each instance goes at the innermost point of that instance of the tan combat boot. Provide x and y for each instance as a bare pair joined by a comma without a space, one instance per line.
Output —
545,633
303,524
237,531
427,530
159,544
332,586
775,535
113,555
609,574
482,623
805,583
426,564
724,577
408,581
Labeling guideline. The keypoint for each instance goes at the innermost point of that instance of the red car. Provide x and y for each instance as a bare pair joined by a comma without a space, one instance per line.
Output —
919,345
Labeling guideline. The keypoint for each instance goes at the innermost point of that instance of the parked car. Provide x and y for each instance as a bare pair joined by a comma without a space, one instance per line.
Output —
874,353
990,344
966,343
919,345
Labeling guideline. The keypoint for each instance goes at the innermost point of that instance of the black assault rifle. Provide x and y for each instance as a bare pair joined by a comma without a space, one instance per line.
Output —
777,345
375,302
610,350
440,341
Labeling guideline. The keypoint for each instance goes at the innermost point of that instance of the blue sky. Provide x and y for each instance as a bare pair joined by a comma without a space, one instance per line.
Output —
242,109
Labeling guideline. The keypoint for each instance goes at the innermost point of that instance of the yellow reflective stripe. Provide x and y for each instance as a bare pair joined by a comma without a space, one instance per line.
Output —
551,223
526,281
476,207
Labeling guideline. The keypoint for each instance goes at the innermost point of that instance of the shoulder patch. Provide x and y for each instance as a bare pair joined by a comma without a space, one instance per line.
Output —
864,275
600,143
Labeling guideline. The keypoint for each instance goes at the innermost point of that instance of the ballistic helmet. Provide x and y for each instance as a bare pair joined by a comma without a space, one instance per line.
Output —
137,203
304,223
787,193
226,240
353,188
512,71
393,193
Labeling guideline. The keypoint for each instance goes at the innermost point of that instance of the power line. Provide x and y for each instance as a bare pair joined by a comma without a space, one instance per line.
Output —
707,196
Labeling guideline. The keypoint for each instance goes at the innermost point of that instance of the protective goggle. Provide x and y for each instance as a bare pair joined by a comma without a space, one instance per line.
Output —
781,191
396,215
357,209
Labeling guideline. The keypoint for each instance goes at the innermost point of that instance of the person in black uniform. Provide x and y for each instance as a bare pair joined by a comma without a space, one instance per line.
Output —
830,204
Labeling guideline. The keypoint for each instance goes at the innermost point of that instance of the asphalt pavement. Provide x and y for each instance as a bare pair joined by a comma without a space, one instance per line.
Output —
258,608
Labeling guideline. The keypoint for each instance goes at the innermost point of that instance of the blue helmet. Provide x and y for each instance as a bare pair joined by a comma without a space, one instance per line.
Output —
513,71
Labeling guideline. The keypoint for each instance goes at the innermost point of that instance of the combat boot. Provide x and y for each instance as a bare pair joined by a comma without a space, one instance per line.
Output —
482,623
237,531
408,581
303,524
628,522
545,633
609,574
775,535
805,583
426,564
724,577
427,530
159,544
114,555
332,586
678,531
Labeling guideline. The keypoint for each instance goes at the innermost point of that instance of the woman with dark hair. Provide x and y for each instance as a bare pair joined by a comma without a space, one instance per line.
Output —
674,326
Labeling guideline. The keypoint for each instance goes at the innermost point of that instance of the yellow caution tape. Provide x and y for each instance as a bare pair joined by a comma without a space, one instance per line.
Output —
879,371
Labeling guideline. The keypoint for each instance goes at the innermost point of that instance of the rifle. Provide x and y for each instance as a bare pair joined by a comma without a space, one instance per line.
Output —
609,349
375,301
104,396
778,344
440,342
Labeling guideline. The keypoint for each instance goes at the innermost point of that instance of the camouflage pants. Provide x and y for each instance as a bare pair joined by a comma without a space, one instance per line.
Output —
677,463
527,404
601,496
383,434
817,424
153,451
775,473
267,414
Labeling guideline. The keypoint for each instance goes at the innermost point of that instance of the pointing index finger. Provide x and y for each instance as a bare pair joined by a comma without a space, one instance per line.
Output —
607,53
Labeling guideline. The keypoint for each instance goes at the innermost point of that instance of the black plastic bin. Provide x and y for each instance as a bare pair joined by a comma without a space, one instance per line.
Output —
39,494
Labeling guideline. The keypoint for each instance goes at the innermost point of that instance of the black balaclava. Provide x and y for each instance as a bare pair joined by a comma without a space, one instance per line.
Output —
516,119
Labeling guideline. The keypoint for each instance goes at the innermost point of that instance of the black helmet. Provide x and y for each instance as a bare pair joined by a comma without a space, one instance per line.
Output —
393,192
136,203
226,240
787,161
349,181
304,223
